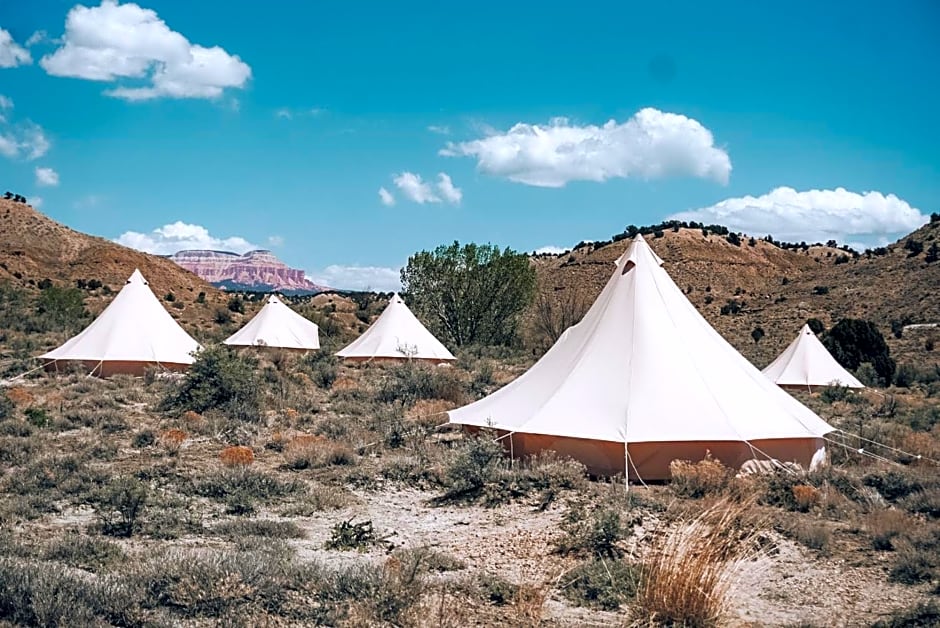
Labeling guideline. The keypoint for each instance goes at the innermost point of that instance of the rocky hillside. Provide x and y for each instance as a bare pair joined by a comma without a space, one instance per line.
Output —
758,284
257,271
34,248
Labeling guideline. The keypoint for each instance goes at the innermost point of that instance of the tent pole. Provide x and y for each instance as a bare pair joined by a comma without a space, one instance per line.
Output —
512,453
626,468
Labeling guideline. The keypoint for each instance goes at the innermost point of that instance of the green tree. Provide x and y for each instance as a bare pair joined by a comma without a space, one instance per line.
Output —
471,293
757,334
816,325
852,341
61,309
219,379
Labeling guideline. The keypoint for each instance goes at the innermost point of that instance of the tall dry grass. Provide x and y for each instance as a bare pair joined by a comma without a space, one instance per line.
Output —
691,568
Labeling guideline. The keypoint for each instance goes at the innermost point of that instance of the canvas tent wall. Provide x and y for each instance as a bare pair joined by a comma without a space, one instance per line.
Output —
134,332
277,326
806,364
396,335
643,380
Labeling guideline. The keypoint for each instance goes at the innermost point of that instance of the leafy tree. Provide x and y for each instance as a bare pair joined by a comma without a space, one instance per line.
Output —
733,239
853,341
201,297
235,304
934,217
471,293
914,246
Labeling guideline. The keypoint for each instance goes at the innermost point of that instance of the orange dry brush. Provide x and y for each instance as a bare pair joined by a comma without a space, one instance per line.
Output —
237,456
189,416
173,438
805,496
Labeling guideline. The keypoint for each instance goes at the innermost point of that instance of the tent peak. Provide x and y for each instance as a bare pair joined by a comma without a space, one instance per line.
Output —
137,277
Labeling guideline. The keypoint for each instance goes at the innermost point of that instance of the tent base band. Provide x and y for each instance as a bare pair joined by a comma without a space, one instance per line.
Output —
650,461
99,368
392,360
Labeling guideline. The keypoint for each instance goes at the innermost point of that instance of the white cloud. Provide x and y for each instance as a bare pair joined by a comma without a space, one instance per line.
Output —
420,191
35,201
439,129
117,41
814,215
24,140
87,202
275,240
179,236
377,278
284,113
5,102
649,145
11,53
552,250
47,177
386,197
414,188
36,38
446,187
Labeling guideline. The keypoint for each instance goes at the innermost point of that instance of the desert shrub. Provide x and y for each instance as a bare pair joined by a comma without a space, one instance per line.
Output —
706,477
43,594
925,502
805,497
921,615
119,505
346,535
240,487
686,578
259,527
831,394
312,452
237,305
893,485
496,590
407,383
478,461
60,309
323,368
219,379
606,584
884,526
237,456
912,565
85,552
7,409
37,417
594,533
317,499
813,535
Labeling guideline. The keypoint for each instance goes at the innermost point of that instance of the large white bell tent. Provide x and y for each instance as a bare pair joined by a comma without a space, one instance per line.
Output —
276,325
134,332
644,380
806,364
396,335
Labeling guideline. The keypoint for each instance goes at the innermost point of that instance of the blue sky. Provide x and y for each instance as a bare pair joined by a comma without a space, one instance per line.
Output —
277,125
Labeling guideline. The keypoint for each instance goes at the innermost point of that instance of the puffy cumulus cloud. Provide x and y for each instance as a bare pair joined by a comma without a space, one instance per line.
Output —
414,188
5,102
35,201
378,278
181,236
814,215
448,191
47,177
120,41
552,250
386,197
24,140
11,53
651,144
37,37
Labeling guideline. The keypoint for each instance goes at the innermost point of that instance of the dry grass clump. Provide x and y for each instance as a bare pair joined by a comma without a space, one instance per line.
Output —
805,497
237,456
697,479
173,439
690,569
20,396
884,526
307,451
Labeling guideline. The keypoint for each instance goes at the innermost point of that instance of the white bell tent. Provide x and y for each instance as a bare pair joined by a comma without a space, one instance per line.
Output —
396,335
806,364
277,326
644,380
132,333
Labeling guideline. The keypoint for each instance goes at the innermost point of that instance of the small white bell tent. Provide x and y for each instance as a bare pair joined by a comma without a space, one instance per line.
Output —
396,335
131,334
644,380
806,364
277,326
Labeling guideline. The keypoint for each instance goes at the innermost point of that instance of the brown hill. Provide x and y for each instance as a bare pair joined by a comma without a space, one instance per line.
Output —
34,248
774,288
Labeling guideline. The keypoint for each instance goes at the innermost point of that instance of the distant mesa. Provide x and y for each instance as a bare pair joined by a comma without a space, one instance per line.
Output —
256,271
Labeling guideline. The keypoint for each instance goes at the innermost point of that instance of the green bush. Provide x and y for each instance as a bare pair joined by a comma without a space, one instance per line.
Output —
605,584
594,533
85,552
478,461
407,383
852,342
120,504
922,615
219,379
